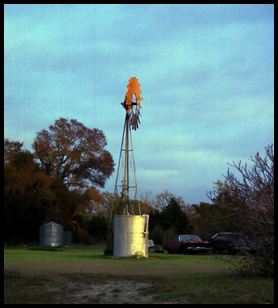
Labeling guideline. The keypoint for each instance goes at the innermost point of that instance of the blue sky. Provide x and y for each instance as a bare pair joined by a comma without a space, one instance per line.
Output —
206,74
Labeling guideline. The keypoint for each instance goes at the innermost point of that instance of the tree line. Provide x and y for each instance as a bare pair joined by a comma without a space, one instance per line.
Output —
59,180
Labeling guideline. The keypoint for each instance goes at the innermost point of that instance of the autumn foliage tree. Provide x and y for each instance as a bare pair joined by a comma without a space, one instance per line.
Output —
74,153
27,193
56,182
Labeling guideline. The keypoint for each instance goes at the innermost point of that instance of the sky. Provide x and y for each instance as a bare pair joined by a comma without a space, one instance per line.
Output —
206,73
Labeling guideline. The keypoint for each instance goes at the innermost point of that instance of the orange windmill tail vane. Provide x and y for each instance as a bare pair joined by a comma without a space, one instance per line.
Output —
133,89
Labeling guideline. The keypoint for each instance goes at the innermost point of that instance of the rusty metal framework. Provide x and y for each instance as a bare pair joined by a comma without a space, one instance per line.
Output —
126,185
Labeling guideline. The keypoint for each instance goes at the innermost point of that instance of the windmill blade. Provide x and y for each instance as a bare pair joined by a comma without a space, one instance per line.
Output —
135,120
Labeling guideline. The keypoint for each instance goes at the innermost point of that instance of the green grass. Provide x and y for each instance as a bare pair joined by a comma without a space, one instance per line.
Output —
58,254
216,288
89,253
75,253
198,279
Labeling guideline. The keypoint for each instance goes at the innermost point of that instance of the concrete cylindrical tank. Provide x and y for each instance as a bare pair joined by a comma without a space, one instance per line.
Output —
130,235
51,235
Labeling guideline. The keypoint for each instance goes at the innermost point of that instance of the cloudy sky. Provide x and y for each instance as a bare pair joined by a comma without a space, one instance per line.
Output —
206,74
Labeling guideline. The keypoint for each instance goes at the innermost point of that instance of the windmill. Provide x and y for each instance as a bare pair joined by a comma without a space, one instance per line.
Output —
130,233
126,180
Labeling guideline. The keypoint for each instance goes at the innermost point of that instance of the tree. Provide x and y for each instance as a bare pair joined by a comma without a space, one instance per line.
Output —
98,227
250,197
174,216
170,221
33,197
11,148
69,209
74,153
162,201
204,219
27,194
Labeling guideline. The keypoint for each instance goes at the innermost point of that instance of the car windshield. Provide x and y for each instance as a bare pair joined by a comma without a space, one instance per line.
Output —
189,237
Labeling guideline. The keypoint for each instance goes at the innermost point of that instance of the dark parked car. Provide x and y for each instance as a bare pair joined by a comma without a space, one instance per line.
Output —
232,243
187,243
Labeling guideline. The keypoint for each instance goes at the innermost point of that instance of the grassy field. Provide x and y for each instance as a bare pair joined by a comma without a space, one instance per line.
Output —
83,275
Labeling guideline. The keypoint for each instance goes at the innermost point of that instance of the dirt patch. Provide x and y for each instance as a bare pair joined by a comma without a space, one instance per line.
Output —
100,292
74,289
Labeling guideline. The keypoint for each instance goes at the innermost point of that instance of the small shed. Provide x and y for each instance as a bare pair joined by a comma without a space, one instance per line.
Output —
51,235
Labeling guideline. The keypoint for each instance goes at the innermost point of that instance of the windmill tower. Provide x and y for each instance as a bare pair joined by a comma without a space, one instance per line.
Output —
130,225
